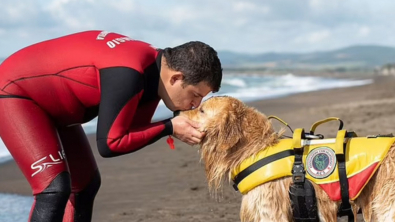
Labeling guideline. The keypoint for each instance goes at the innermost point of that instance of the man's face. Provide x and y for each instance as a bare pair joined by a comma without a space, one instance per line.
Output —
184,97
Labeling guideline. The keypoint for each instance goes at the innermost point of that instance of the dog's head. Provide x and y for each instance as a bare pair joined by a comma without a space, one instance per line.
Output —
221,119
234,132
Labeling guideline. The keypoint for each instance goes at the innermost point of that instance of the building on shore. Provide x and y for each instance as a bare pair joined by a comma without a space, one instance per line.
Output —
387,69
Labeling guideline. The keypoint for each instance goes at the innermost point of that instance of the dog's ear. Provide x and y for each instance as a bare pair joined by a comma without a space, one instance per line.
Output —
230,126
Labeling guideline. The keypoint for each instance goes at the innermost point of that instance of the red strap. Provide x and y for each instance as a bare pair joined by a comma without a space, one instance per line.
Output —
170,141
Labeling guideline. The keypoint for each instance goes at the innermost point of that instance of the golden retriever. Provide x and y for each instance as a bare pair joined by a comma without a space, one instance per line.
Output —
235,132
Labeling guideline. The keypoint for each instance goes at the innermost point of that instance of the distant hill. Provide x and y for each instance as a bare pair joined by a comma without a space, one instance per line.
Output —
353,57
362,56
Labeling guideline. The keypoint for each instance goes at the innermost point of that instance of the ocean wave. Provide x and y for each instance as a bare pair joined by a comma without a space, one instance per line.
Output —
237,82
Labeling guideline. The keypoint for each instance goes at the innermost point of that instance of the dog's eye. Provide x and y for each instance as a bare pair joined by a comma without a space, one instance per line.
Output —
201,110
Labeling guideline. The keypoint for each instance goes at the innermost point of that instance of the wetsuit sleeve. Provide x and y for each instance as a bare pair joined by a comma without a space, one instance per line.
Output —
121,90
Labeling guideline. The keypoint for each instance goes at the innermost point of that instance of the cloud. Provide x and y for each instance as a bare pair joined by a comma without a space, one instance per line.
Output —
238,25
309,37
364,31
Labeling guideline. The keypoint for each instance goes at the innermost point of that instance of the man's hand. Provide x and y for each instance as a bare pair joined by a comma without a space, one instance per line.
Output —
186,130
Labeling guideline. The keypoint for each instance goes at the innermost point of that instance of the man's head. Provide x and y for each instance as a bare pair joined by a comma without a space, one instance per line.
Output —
188,73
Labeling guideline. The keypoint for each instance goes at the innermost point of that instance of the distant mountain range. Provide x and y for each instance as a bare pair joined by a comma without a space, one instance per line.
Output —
353,57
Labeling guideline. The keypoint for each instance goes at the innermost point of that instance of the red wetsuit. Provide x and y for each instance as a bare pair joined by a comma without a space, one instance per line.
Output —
49,89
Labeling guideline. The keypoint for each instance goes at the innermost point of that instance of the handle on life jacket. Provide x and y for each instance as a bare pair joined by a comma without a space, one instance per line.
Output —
341,134
299,135
314,126
340,140
281,121
297,138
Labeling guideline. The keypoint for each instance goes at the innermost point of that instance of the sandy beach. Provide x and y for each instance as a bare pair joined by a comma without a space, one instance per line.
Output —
160,184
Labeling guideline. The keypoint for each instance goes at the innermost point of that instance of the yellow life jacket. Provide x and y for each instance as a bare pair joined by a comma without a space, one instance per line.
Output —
363,156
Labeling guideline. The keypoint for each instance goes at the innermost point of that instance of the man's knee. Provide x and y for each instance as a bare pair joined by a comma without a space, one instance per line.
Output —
50,204
85,198
93,187
88,194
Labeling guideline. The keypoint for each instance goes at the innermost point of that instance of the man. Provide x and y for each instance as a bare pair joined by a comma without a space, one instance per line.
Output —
49,89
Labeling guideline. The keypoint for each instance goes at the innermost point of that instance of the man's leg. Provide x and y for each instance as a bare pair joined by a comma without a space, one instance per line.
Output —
32,140
85,177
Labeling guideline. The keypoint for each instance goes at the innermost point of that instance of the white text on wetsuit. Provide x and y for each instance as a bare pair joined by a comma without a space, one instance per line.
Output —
113,43
40,167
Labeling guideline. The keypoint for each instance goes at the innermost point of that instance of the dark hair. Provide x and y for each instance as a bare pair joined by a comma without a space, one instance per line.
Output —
197,61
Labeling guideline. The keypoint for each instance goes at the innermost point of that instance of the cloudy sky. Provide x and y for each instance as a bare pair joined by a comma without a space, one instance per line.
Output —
250,26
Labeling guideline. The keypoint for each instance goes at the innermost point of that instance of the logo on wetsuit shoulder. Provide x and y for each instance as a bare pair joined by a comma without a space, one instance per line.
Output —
321,162
117,41
40,166
112,43
102,35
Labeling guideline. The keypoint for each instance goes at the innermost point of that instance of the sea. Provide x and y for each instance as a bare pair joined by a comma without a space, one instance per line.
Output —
246,87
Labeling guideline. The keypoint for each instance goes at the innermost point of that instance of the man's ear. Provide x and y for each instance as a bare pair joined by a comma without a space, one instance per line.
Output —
176,76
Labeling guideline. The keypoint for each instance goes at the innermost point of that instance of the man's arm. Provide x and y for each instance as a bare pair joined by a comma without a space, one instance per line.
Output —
121,90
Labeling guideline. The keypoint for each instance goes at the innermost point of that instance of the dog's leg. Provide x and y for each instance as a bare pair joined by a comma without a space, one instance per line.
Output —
327,209
267,202
355,210
365,200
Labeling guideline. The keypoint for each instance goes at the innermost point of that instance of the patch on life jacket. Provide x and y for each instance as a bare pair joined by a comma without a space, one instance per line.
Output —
363,157
321,162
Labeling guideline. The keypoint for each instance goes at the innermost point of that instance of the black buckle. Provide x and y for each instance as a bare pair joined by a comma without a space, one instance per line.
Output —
235,187
298,173
344,211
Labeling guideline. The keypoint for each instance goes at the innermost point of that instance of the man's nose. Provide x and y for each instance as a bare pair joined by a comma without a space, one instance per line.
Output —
196,103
